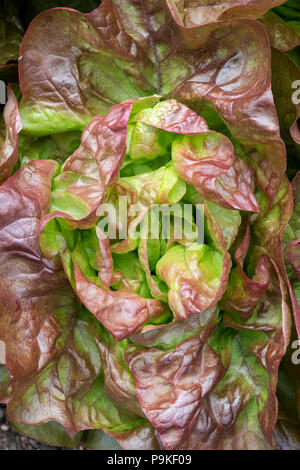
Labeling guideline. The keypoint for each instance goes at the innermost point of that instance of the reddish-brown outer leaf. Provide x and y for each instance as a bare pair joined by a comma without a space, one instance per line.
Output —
30,285
47,345
122,313
224,62
13,123
283,37
274,300
119,383
31,288
220,419
171,386
190,13
243,99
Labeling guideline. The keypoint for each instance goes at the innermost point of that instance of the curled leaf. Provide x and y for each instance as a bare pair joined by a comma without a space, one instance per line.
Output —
9,149
197,277
207,162
122,313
